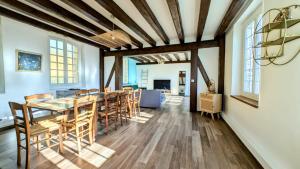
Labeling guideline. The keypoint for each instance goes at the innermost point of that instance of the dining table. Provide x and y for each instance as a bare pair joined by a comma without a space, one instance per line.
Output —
65,105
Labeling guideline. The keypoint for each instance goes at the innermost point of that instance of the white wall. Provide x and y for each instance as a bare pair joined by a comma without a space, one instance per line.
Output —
166,72
271,132
16,35
108,64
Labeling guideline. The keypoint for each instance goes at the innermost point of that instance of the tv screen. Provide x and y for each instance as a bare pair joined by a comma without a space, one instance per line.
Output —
162,84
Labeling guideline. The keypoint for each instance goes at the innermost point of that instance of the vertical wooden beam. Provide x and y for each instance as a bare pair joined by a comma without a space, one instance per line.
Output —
101,69
193,84
118,72
221,64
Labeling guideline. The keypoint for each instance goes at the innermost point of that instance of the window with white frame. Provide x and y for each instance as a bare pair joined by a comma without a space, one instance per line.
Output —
251,76
63,62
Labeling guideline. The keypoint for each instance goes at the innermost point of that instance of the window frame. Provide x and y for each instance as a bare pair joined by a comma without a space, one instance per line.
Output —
253,17
65,52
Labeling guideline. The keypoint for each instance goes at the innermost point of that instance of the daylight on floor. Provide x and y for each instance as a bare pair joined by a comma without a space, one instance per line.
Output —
134,84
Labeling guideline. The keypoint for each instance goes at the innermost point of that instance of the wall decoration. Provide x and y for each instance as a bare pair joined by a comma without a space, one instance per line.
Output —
28,61
272,37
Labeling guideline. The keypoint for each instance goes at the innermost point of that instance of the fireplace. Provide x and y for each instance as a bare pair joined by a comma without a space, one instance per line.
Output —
162,84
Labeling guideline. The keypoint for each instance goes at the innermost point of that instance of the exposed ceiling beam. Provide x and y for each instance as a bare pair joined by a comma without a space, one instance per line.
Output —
94,15
176,56
204,7
186,55
167,62
146,12
137,59
168,57
117,12
175,13
144,59
151,58
37,23
158,57
165,49
232,11
56,9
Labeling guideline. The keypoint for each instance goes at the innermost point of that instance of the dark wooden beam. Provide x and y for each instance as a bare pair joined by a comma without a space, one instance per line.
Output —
166,49
175,13
56,9
158,57
36,23
151,58
168,57
143,7
28,10
101,69
186,55
97,17
118,72
193,83
176,56
111,74
203,72
116,11
144,59
232,11
137,59
204,7
167,62
221,65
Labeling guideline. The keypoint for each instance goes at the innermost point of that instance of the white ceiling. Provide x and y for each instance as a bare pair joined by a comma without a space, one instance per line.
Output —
189,10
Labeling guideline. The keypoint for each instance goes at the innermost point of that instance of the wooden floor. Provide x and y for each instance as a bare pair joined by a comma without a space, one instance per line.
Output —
167,138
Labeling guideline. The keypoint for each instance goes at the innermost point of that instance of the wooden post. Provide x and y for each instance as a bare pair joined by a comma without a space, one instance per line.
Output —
221,65
118,72
101,69
221,68
193,83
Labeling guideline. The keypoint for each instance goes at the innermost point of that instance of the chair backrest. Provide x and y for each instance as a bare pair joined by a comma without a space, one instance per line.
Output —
128,89
21,121
36,98
94,91
107,90
123,100
137,95
84,108
82,92
111,102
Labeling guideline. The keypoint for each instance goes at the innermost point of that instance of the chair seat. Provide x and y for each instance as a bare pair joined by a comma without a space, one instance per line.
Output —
43,126
71,123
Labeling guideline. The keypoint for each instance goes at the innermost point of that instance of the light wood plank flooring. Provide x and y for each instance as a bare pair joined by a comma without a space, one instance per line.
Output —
169,137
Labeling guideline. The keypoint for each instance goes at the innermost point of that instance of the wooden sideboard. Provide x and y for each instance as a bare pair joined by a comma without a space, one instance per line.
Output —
211,103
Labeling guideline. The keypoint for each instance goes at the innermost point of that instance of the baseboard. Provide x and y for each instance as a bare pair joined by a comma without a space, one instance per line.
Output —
245,140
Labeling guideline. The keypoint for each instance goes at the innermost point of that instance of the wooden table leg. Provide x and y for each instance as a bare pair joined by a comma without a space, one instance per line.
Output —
61,144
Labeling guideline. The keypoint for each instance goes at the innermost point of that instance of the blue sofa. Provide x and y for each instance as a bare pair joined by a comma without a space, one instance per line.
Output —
151,98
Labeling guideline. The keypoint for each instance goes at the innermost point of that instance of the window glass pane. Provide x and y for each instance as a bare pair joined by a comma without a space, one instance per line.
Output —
52,43
60,66
60,80
70,80
54,80
60,52
53,51
60,45
53,73
53,58
60,59
69,47
60,73
53,66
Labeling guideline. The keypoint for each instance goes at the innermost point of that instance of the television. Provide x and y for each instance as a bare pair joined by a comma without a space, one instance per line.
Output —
162,84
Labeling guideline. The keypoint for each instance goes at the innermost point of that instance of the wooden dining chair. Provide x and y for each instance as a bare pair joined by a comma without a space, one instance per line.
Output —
107,90
23,126
123,106
39,98
137,102
82,121
130,99
82,92
110,112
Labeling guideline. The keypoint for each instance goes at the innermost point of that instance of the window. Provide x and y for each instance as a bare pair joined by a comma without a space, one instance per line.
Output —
251,76
63,63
